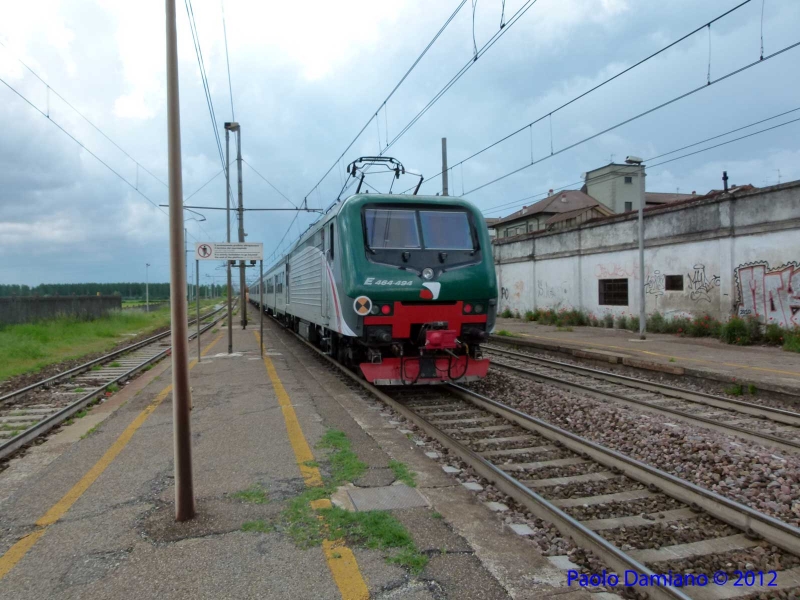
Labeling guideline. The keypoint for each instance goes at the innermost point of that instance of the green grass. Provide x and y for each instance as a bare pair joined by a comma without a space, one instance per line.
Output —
114,364
560,328
255,494
80,414
112,387
78,389
147,368
734,390
259,526
97,368
752,389
345,465
437,515
403,473
377,530
504,333
29,347
90,432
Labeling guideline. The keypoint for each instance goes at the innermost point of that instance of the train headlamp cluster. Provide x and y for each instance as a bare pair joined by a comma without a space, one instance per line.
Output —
473,308
427,273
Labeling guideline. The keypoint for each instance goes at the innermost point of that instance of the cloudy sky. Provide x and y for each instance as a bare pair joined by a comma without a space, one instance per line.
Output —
307,76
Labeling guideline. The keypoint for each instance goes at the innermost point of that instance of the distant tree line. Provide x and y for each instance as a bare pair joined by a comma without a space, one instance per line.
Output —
128,291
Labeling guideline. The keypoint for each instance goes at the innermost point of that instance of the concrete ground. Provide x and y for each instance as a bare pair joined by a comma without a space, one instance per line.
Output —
767,367
90,513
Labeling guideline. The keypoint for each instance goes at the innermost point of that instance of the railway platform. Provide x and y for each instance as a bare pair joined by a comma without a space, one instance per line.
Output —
89,513
767,368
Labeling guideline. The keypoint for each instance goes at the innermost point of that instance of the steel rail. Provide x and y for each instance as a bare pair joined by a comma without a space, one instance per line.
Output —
538,505
778,415
14,444
88,365
751,521
743,517
748,434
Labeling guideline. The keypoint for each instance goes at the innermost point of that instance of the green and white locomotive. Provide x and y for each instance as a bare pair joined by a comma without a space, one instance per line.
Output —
400,287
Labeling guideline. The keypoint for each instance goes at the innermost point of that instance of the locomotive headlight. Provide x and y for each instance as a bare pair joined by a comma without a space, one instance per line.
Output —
427,273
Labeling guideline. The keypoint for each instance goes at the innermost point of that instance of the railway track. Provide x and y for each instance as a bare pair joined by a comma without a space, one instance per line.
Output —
32,411
632,516
772,427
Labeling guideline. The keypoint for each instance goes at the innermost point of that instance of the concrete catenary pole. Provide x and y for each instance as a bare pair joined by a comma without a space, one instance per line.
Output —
181,392
228,221
445,191
242,283
642,314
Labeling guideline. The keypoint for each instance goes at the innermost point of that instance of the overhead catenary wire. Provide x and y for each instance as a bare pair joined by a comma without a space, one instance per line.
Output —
513,204
388,97
483,50
227,58
269,182
86,148
638,116
207,90
549,115
80,114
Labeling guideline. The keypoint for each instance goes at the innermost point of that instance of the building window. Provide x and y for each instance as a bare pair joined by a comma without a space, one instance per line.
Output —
628,206
673,283
629,180
613,292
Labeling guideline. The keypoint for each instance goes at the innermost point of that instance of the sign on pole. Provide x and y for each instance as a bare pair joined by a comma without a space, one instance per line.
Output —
228,251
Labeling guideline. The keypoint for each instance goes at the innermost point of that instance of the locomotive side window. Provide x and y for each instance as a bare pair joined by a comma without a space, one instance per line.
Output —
446,230
331,241
396,229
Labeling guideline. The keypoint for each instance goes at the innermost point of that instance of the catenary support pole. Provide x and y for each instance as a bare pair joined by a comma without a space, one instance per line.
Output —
181,392
642,314
228,221
242,282
261,302
445,190
197,288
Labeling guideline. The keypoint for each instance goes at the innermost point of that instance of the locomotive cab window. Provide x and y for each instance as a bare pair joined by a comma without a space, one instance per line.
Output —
391,228
446,230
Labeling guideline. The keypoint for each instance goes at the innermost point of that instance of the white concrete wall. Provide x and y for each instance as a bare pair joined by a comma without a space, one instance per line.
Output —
736,255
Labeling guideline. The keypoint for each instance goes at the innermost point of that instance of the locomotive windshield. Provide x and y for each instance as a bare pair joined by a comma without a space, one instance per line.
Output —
400,229
445,230
391,228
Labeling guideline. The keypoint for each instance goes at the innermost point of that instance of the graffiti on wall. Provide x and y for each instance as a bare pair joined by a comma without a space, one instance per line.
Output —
616,271
655,284
504,293
545,290
700,285
771,295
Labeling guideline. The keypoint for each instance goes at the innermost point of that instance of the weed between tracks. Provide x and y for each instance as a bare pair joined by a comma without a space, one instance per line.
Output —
403,473
376,530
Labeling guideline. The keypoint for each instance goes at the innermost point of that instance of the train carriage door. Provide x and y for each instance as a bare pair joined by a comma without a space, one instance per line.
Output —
325,281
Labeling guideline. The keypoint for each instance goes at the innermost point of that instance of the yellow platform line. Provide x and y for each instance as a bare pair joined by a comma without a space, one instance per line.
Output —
340,559
676,356
14,554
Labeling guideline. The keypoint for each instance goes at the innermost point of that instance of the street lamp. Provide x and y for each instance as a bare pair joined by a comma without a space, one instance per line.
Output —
147,287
